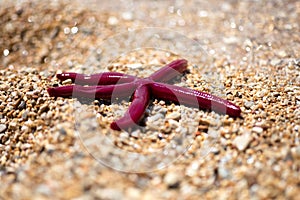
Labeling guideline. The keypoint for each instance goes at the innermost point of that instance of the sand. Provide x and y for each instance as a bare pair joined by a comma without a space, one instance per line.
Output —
247,52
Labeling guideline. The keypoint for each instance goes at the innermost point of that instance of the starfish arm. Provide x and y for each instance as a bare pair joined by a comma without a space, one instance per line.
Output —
135,111
169,71
63,91
102,92
194,98
165,74
105,78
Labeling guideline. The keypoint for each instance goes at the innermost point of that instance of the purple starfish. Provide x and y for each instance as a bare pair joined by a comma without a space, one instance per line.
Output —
110,85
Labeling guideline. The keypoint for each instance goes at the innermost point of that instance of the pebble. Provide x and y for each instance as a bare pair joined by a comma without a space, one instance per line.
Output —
43,189
112,20
152,126
135,134
257,129
223,172
242,141
43,108
124,136
25,129
24,115
67,82
172,179
13,125
173,123
127,16
174,115
204,121
193,169
155,117
2,128
248,104
22,105
275,62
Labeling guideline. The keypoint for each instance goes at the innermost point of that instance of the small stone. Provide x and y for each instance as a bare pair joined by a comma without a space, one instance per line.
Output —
124,136
135,134
22,105
2,128
13,125
67,82
213,133
3,160
230,40
25,115
257,129
275,62
282,53
173,123
134,65
112,20
156,117
174,115
223,172
288,89
26,146
193,169
172,179
127,16
43,189
25,129
152,126
248,104
163,110
43,108
242,141
4,87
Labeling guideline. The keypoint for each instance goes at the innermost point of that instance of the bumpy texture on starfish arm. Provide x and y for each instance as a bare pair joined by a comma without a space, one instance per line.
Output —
194,98
135,111
105,78
106,92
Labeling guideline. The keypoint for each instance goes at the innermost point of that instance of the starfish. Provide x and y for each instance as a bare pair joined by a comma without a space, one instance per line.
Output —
109,85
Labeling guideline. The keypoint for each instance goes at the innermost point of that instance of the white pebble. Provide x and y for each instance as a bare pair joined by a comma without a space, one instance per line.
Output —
2,128
174,115
25,129
6,52
127,16
13,125
135,134
124,136
257,130
173,123
67,81
112,20
171,178
242,141
155,117
74,30
248,104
